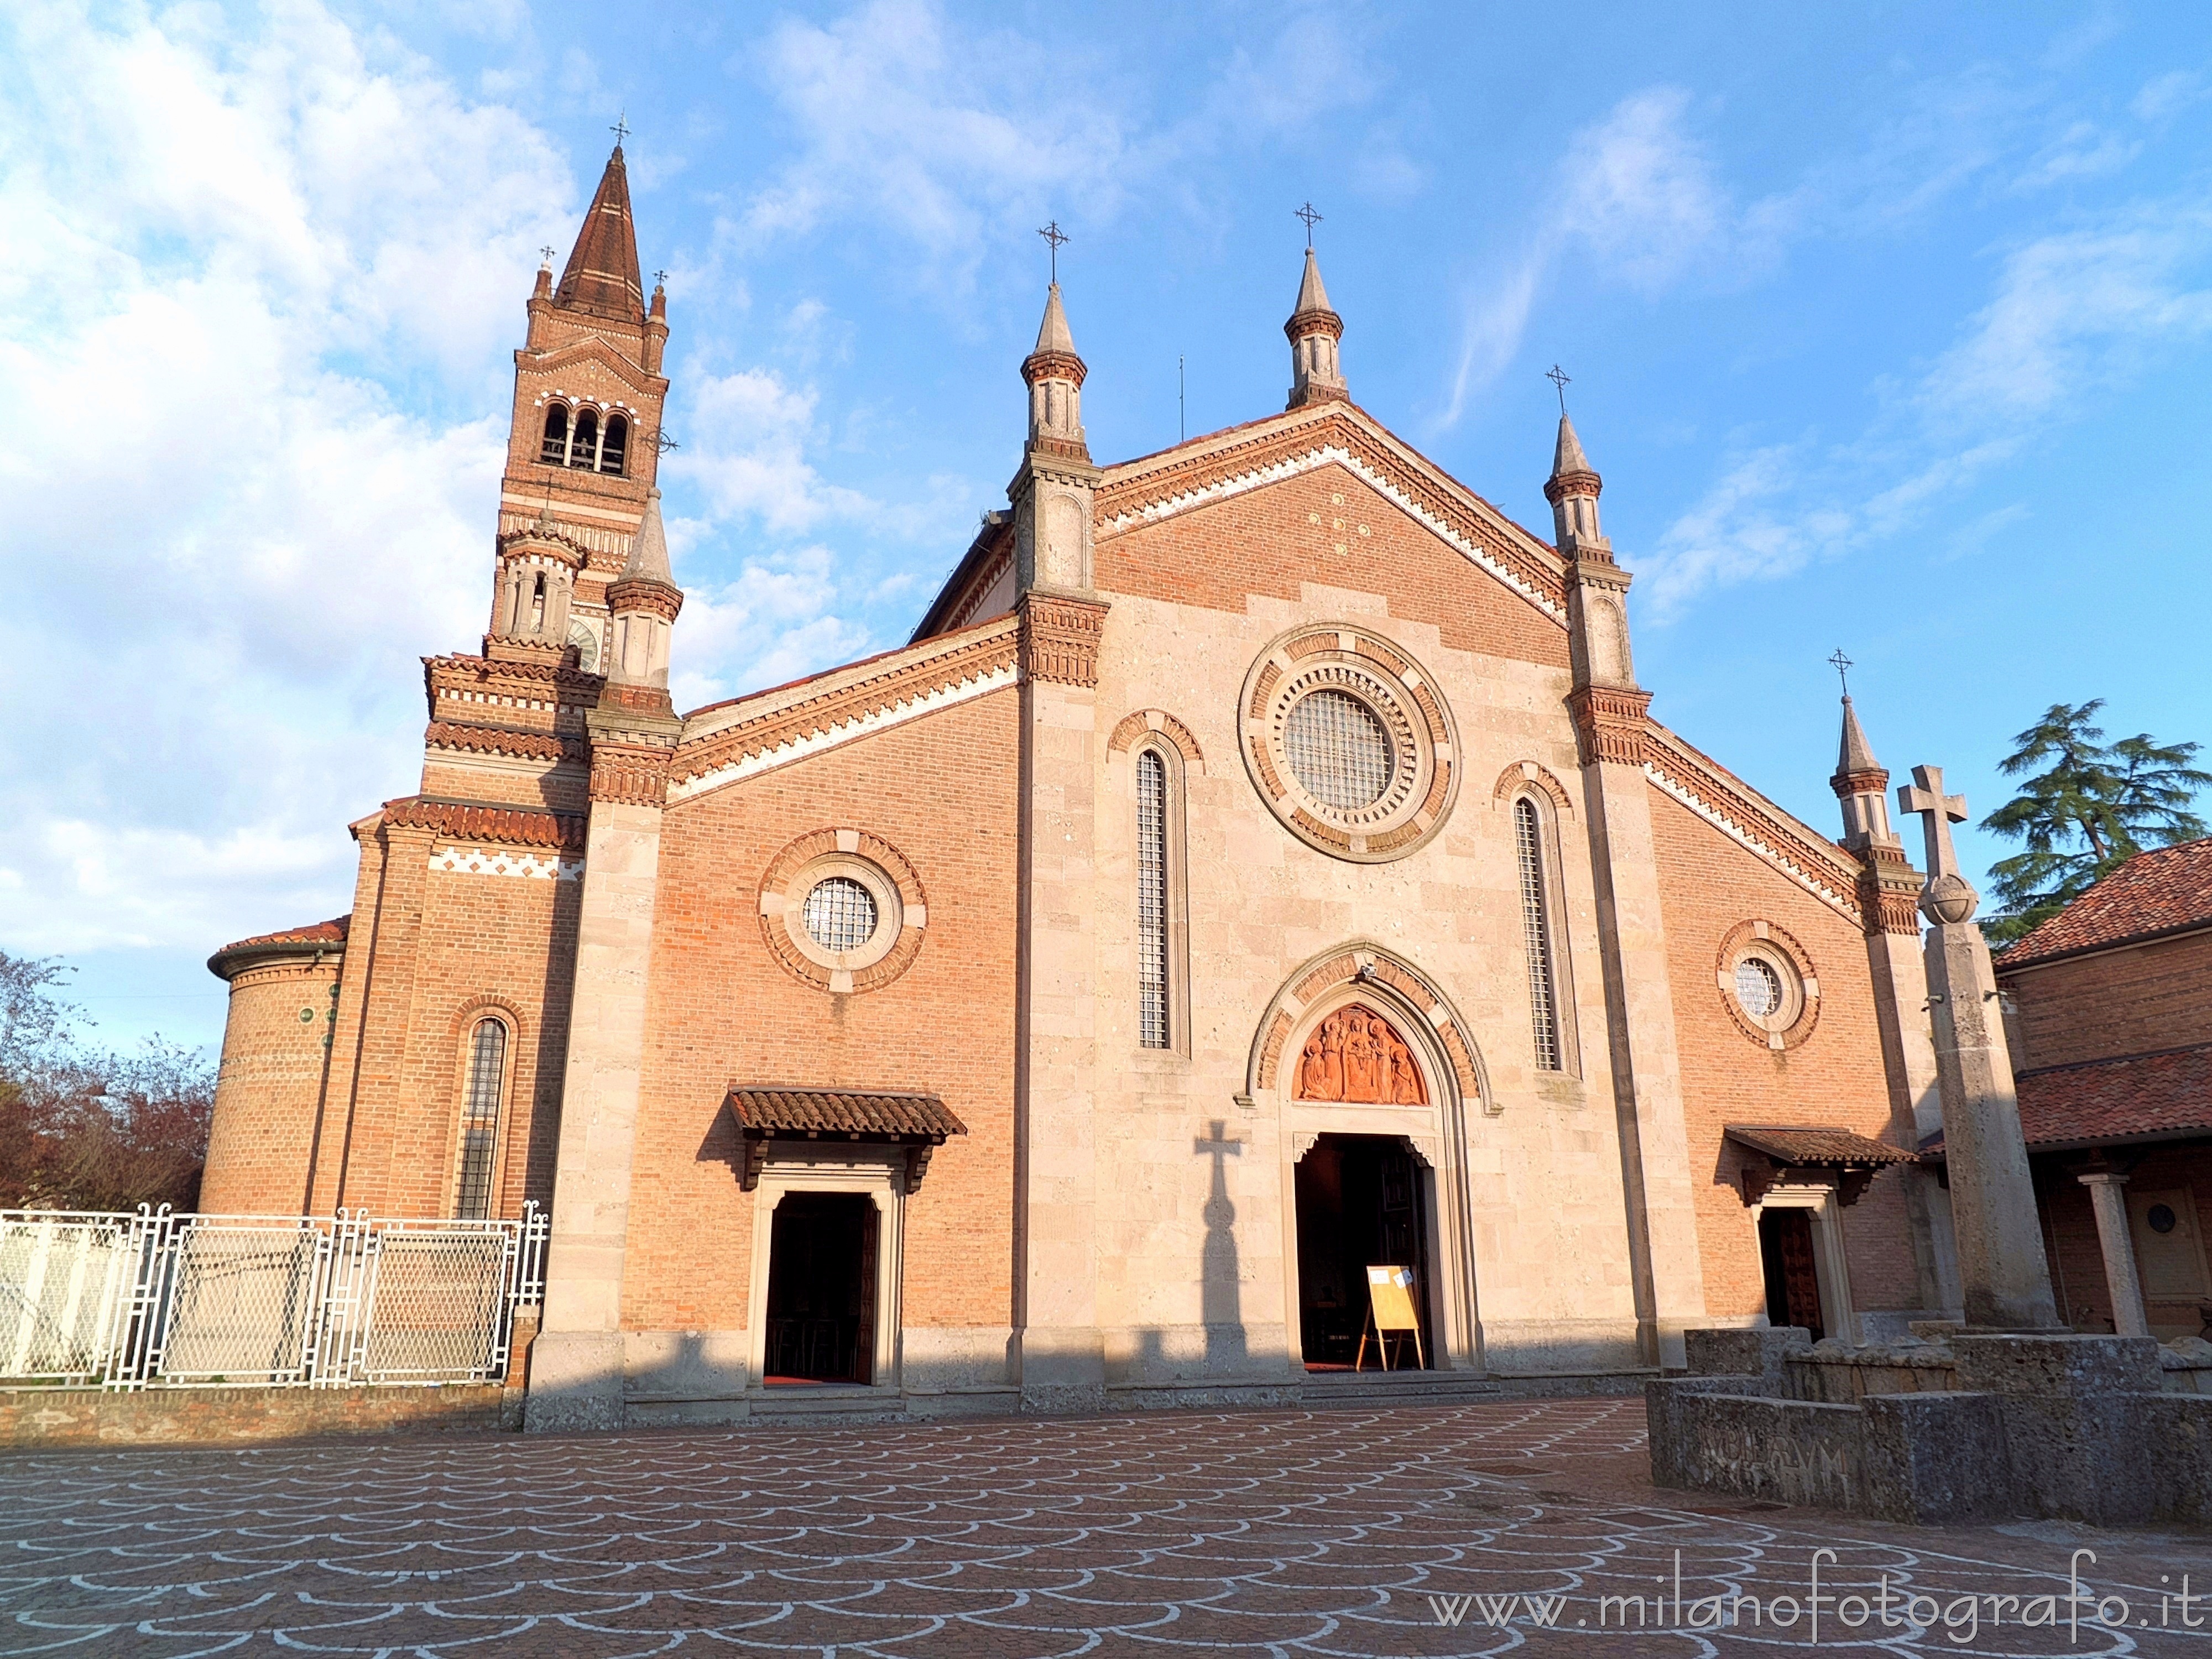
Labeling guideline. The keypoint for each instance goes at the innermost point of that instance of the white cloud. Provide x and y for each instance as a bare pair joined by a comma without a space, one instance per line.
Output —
1636,191
2083,150
2074,313
236,541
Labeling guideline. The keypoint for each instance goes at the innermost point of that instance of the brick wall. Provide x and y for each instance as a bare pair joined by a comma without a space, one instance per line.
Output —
2132,1002
943,791
1275,542
432,952
1708,885
270,1085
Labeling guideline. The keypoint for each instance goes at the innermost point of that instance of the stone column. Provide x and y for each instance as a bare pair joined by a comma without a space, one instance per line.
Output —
2005,1279
1057,1180
576,1363
2118,1246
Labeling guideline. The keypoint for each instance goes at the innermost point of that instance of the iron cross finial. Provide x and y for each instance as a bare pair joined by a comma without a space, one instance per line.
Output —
1558,377
1054,237
1842,665
621,128
548,251
659,278
663,442
1312,218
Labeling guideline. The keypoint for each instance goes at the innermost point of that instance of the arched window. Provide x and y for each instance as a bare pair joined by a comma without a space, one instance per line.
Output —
538,602
1152,1030
612,447
583,449
480,1120
1536,934
556,446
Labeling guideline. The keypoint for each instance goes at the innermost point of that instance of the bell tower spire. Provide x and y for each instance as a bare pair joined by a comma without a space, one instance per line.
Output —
1314,329
1052,492
585,442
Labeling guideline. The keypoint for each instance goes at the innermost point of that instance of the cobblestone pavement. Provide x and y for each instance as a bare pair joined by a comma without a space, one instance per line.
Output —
1355,1533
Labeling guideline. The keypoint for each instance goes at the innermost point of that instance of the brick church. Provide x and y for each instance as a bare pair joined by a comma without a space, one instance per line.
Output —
1261,866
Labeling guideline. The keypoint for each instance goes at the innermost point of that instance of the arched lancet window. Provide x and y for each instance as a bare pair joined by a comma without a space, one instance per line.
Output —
1536,934
584,450
556,446
614,444
1152,951
538,602
480,1120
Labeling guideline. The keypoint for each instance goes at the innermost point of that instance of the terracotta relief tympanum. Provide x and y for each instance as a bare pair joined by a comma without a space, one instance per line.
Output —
1355,1055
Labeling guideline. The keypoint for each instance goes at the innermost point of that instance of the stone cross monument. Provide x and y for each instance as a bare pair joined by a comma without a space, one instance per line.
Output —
2001,1261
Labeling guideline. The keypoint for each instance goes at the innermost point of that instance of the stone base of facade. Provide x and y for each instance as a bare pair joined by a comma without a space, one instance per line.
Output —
222,1417
1981,1428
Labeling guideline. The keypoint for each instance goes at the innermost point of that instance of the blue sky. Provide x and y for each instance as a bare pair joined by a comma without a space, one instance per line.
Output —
1890,328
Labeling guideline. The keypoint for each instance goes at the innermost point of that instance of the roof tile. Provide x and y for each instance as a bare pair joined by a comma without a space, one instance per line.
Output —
2161,891
783,1111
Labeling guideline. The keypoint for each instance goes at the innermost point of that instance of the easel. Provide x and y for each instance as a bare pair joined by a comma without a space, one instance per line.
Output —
1390,1313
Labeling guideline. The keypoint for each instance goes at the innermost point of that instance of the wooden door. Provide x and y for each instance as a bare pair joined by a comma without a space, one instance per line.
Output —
1793,1278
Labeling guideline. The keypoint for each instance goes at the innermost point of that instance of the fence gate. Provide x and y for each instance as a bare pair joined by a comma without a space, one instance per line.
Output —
157,1300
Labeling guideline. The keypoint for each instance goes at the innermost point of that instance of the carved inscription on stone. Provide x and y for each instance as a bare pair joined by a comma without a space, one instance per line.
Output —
1355,1055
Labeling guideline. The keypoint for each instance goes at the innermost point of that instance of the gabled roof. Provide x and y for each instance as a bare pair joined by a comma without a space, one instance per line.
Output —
2166,890
601,275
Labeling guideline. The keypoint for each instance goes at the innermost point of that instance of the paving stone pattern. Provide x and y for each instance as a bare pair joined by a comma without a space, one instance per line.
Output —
1293,1533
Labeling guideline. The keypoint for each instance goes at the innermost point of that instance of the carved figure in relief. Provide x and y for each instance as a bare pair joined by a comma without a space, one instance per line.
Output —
1356,1056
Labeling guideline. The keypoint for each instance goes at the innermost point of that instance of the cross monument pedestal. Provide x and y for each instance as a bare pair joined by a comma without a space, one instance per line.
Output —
2002,1267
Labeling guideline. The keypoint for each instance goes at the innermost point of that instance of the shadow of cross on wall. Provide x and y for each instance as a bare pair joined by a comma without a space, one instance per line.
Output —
1221,1300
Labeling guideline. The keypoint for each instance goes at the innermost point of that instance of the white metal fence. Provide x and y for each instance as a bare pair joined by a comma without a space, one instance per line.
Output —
156,1300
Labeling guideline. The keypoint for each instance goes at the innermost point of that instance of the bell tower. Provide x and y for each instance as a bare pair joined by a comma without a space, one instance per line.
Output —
583,449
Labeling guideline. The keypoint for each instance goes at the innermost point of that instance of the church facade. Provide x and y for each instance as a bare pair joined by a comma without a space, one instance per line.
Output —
1259,870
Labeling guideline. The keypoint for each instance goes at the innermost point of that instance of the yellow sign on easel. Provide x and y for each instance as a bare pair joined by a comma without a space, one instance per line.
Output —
1390,1313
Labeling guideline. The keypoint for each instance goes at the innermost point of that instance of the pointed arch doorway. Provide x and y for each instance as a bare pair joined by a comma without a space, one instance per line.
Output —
1372,1077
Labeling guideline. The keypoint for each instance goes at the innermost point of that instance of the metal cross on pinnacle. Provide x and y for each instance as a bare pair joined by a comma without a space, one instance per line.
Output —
1842,665
1054,237
1312,218
1558,377
548,252
621,128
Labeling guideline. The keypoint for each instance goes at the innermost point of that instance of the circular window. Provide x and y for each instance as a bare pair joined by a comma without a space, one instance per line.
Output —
2160,1218
1338,748
1348,742
1767,985
840,914
1759,988
843,910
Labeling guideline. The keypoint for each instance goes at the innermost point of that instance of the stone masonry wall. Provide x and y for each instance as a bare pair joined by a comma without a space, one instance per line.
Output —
1196,597
1709,885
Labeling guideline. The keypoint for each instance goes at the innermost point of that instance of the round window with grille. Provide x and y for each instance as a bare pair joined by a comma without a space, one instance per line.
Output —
1759,988
1767,985
1349,742
1337,747
840,914
843,909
